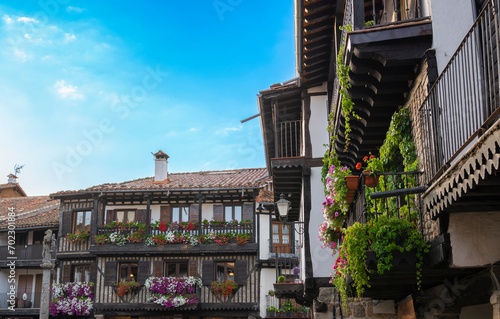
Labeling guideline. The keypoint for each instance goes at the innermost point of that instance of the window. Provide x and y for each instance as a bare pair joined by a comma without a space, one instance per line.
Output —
82,221
81,273
125,216
176,269
128,272
224,271
281,238
38,236
180,214
232,213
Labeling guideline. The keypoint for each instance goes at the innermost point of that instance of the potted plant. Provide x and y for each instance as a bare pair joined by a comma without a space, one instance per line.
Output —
374,165
225,289
281,279
78,236
288,308
271,311
271,292
126,287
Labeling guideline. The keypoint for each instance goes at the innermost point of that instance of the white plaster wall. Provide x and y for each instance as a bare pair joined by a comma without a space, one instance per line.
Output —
475,239
155,213
207,211
484,311
318,121
322,258
451,20
264,236
267,279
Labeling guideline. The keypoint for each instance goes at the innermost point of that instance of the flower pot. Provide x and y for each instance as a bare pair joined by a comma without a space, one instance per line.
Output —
352,182
371,180
350,196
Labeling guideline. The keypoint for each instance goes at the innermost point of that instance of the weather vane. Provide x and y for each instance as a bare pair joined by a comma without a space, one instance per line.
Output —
17,169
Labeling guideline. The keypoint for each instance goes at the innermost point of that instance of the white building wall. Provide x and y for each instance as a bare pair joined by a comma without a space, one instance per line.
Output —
451,20
267,279
322,258
264,236
318,124
207,211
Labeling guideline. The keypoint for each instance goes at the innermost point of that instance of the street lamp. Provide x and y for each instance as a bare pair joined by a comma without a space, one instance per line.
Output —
283,206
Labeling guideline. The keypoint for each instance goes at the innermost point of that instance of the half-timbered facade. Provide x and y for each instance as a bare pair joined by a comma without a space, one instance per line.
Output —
200,225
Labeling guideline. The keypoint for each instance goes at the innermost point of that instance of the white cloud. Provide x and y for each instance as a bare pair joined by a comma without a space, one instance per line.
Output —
75,9
7,19
70,36
193,129
26,19
27,36
228,130
21,55
67,90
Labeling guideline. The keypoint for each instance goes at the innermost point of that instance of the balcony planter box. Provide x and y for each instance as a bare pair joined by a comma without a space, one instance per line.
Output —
371,180
288,289
352,182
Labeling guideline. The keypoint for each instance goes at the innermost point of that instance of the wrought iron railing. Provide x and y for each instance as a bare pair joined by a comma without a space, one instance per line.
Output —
397,194
464,100
391,11
286,257
290,138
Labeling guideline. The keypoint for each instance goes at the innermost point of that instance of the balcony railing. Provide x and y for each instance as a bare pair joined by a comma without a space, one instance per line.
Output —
22,252
464,100
66,246
290,138
286,258
398,194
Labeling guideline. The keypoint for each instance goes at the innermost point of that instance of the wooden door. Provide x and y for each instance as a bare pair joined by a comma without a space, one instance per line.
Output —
25,285
281,238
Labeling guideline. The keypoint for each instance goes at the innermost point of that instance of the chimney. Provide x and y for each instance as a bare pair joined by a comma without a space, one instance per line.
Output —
12,179
161,166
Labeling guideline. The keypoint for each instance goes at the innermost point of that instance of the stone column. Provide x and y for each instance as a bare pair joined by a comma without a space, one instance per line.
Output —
45,298
495,302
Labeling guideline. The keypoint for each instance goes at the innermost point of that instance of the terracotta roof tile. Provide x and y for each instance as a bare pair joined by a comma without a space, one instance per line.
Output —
265,197
238,178
30,211
13,185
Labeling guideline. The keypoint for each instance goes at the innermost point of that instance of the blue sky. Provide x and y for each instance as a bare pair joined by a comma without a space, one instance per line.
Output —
90,88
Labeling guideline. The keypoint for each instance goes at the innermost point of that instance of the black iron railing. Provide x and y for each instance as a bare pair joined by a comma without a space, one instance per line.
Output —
397,194
286,258
465,98
290,138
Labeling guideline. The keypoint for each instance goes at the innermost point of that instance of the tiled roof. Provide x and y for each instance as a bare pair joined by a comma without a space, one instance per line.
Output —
238,178
30,211
13,185
279,87
265,197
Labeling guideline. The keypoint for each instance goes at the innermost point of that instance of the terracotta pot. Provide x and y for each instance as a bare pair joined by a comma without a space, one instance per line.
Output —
352,182
371,180
350,196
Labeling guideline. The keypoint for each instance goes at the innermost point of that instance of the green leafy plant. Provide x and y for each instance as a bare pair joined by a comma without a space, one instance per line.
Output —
384,237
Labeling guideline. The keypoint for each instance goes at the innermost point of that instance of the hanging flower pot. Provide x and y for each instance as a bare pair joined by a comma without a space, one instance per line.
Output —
352,182
371,180
351,193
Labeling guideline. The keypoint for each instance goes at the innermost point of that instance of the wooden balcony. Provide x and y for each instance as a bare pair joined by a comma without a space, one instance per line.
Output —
67,248
27,256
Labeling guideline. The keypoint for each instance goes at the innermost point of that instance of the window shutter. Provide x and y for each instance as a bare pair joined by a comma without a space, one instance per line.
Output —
218,212
100,217
194,214
240,272
193,268
208,272
110,216
67,223
143,271
110,273
248,212
141,215
165,214
66,273
158,268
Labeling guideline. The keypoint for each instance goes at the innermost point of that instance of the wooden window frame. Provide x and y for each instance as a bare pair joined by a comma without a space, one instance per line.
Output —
180,207
177,264
75,215
233,205
73,271
130,264
225,262
125,215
